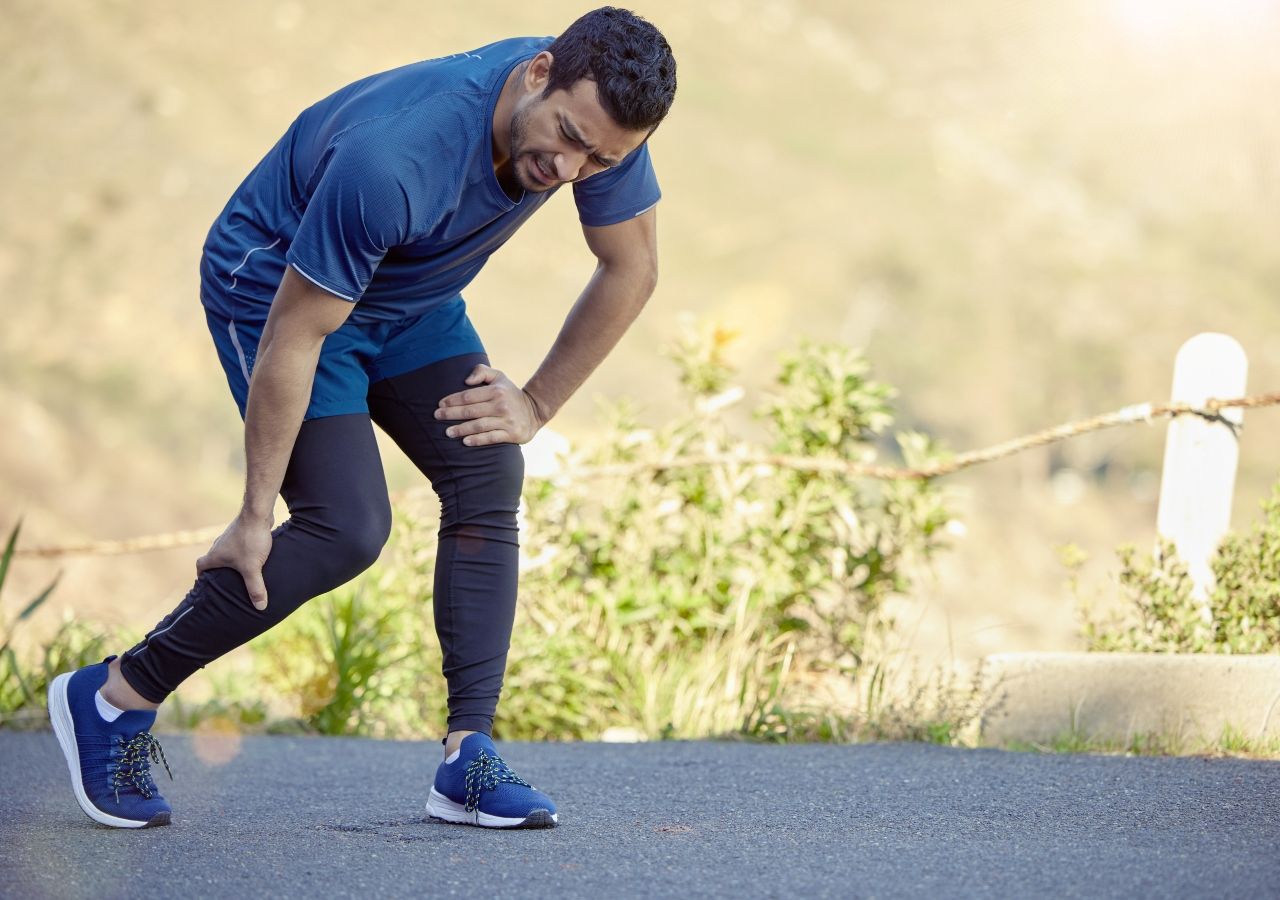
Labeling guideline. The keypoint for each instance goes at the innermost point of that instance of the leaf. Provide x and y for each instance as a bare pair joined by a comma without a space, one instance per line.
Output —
9,550
39,600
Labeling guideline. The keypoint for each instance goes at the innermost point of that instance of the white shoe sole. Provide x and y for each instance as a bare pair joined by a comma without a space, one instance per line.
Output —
65,729
442,807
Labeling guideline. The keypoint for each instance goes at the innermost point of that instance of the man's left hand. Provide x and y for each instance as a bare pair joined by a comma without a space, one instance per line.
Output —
494,409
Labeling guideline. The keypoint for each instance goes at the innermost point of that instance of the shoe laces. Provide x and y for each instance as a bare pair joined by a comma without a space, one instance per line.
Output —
485,773
133,764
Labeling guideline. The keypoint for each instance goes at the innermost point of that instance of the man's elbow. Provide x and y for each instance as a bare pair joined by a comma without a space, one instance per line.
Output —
636,277
644,274
648,278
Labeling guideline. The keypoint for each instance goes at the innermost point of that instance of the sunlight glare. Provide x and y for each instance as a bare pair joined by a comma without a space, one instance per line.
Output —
1160,21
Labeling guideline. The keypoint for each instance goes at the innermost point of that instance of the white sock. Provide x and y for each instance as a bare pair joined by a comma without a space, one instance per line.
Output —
105,709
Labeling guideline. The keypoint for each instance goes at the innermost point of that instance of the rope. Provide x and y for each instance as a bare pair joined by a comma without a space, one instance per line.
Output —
1211,411
132,545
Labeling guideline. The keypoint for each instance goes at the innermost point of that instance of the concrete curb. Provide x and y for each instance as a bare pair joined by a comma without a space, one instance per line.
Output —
1113,697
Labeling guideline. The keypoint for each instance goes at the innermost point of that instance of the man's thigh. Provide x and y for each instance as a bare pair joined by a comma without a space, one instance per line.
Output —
404,407
471,481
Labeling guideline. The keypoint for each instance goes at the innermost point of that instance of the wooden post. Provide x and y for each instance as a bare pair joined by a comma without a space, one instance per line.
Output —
1200,455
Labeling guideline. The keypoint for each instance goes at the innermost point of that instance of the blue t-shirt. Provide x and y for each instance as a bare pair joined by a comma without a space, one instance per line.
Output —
384,193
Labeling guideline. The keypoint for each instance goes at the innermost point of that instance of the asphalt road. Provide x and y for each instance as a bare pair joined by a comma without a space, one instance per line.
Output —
326,817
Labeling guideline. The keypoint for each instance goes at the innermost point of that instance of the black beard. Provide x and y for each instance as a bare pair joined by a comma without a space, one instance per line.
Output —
518,128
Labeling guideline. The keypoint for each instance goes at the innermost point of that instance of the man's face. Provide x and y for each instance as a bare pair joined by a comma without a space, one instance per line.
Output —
565,137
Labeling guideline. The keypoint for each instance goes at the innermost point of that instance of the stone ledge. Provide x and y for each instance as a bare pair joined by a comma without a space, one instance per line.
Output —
1040,697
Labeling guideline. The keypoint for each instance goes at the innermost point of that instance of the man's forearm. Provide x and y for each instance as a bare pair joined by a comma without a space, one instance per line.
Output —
302,314
607,307
277,402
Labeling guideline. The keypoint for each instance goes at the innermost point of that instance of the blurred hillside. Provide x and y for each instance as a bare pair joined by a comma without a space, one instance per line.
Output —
1021,210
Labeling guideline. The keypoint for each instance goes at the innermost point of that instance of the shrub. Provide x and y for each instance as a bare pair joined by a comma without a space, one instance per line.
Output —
735,596
659,599
1241,614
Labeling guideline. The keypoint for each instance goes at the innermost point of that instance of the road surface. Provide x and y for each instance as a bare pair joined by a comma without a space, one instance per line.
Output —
336,817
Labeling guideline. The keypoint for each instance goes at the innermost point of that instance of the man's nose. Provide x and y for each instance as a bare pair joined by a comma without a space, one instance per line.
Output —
568,165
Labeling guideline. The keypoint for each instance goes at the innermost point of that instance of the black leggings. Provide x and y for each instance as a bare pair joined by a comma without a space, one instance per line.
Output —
339,518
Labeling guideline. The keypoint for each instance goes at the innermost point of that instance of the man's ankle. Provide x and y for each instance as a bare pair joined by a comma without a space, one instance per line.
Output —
453,742
120,693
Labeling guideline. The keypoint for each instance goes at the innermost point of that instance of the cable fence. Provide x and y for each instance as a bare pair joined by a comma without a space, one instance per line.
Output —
1210,411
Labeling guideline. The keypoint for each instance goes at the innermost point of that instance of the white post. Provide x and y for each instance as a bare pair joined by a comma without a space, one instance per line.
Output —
1200,456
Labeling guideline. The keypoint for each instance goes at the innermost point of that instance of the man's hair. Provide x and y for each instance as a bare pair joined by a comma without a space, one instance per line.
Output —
628,59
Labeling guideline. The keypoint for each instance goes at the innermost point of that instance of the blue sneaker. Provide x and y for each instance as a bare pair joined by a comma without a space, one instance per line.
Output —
475,787
110,762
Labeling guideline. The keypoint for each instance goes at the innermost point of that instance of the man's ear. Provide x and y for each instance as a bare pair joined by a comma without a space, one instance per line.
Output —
538,72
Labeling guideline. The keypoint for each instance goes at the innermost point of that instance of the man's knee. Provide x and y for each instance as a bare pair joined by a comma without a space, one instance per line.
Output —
351,532
367,533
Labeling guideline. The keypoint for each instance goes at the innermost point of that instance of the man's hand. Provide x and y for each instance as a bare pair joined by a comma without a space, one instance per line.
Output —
244,546
495,410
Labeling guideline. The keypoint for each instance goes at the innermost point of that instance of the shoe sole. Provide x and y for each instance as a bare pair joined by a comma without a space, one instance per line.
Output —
65,729
441,807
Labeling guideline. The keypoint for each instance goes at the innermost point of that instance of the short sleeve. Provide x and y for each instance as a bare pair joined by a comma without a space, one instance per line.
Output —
620,193
358,211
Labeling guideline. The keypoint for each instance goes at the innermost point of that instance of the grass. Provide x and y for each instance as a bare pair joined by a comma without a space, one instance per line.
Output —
23,686
1231,742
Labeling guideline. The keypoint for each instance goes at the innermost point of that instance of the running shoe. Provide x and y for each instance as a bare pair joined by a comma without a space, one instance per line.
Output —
475,787
110,762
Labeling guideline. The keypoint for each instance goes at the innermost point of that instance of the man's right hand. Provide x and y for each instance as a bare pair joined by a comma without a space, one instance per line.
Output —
244,546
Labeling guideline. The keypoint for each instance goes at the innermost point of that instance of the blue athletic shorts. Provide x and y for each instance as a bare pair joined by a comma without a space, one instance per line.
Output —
354,356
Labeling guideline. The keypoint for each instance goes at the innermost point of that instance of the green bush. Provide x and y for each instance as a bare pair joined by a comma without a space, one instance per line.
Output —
1241,614
666,601
656,599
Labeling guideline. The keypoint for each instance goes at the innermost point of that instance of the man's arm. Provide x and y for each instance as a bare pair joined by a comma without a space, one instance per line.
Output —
302,314
626,273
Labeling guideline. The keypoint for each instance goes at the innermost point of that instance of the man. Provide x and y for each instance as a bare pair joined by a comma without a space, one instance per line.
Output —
331,284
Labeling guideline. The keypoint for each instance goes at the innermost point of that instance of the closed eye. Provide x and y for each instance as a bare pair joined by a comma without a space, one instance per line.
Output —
576,139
